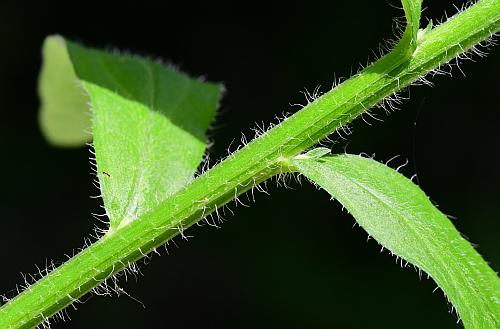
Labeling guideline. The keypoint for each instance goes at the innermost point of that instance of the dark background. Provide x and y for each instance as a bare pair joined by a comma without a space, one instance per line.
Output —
292,260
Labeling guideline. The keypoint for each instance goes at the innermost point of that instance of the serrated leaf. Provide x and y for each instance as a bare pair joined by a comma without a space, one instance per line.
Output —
149,125
148,122
64,116
397,214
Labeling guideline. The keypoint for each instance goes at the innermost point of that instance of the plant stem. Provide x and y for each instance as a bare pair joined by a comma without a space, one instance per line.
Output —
253,164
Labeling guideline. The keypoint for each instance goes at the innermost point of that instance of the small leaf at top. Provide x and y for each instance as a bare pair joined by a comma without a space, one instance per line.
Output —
397,214
408,43
413,10
64,116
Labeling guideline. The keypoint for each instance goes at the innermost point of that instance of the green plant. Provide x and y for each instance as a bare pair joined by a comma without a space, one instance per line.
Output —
129,113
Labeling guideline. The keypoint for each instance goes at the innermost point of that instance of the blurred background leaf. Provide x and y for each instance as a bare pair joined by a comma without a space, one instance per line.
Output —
65,118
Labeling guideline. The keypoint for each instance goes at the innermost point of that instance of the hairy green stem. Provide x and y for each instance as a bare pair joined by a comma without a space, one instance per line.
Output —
253,164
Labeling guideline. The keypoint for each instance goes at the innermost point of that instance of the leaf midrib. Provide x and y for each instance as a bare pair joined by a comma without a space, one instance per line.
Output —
133,200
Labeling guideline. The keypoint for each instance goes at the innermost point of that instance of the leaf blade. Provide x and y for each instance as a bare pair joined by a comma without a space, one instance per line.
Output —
149,124
413,9
409,40
400,217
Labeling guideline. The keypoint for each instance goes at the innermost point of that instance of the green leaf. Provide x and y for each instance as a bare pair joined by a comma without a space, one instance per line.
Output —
64,116
413,10
400,216
408,42
149,122
316,152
